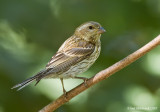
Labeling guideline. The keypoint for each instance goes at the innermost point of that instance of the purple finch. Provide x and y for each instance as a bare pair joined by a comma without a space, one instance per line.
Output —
75,55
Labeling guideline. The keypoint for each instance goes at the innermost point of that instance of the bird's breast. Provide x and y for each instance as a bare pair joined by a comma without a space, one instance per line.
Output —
83,65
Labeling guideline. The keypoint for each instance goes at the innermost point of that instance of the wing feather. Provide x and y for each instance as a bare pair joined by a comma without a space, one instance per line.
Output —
62,61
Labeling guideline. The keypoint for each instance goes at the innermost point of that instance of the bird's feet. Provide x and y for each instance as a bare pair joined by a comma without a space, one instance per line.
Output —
84,79
85,82
65,94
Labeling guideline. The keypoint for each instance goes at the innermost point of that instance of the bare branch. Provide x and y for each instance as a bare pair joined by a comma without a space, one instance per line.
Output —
102,75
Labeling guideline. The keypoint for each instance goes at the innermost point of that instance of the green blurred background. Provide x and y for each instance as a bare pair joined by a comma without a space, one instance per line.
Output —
31,31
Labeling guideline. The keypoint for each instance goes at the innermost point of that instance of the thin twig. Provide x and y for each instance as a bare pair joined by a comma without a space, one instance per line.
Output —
102,75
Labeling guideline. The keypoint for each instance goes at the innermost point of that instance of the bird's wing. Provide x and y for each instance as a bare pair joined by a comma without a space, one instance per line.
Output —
62,61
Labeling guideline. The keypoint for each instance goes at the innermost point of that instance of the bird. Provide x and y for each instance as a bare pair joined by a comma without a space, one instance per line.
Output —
75,56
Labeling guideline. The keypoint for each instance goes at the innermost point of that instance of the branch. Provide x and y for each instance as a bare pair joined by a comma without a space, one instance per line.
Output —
102,75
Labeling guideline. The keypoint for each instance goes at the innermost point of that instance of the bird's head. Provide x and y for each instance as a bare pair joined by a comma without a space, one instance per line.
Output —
90,31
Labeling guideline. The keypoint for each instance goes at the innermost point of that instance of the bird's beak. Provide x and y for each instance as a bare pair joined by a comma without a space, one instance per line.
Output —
101,30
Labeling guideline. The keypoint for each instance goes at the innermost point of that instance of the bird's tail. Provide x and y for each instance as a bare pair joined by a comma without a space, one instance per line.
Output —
37,77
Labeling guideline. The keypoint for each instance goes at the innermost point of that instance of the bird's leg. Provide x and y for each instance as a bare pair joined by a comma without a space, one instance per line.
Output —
64,91
83,78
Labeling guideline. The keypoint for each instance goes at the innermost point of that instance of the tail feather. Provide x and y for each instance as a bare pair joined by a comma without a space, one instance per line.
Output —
37,77
24,83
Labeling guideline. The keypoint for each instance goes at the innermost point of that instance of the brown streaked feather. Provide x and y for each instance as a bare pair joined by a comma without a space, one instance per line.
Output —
79,51
66,58
61,66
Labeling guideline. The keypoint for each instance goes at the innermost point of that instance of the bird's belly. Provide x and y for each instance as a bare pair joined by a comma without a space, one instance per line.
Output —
77,69
81,66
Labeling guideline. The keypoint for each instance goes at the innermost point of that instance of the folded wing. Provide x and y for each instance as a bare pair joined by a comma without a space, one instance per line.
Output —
62,61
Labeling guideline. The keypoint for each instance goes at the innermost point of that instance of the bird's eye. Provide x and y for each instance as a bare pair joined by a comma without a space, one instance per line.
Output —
90,27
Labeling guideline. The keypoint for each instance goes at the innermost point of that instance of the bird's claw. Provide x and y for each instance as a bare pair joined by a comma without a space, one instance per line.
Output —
85,82
65,94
